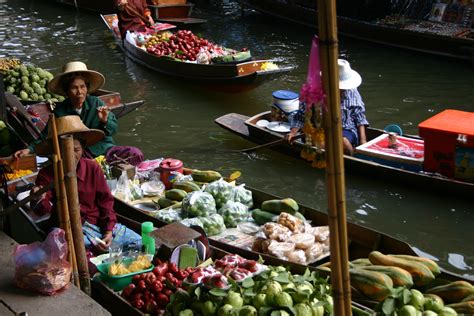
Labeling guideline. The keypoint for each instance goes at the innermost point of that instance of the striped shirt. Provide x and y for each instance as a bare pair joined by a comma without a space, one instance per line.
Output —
352,112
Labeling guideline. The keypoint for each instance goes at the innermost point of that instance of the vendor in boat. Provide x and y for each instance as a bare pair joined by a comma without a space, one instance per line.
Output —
133,16
76,82
353,117
96,202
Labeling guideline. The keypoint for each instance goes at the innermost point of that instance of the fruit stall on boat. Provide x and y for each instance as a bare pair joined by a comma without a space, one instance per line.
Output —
412,161
185,55
447,34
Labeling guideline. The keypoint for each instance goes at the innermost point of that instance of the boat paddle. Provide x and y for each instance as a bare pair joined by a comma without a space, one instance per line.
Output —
273,143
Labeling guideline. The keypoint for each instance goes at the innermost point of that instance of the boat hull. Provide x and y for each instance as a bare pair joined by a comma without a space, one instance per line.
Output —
247,128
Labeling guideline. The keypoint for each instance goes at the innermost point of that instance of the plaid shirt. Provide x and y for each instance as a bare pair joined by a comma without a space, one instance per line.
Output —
352,112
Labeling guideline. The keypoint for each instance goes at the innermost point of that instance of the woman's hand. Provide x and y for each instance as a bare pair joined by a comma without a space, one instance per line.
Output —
150,19
22,152
103,113
291,135
107,240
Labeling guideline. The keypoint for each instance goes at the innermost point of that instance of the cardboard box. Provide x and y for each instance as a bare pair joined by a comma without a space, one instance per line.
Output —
408,154
449,144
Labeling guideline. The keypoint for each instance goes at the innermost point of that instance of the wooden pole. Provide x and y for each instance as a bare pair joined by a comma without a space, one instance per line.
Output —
62,208
340,280
67,146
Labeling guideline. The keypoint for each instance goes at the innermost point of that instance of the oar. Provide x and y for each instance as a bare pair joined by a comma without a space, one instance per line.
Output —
273,143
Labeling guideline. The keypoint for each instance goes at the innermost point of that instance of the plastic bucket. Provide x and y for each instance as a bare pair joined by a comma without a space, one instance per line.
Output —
168,166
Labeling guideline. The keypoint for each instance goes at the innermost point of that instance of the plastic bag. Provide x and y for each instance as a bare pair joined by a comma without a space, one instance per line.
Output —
198,203
169,215
135,189
192,222
242,195
122,191
42,266
154,186
234,213
213,224
221,190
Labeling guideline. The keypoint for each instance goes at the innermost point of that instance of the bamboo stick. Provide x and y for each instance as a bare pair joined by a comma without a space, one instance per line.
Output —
61,206
327,21
67,146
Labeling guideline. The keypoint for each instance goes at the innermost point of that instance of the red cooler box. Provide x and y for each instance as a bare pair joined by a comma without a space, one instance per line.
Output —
449,144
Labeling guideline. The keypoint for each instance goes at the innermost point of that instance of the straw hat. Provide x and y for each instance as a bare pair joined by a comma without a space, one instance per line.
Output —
70,124
348,78
96,79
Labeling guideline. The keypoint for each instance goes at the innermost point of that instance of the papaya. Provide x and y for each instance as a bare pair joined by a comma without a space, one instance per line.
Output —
463,307
399,276
165,202
374,285
175,194
361,262
205,175
262,217
187,186
287,205
430,264
469,298
420,273
300,216
453,292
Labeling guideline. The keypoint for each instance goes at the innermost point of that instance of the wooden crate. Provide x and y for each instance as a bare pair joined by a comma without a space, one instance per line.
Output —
168,2
24,163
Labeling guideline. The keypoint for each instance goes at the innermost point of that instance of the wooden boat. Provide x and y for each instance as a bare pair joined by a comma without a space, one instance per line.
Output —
175,13
247,128
302,13
240,76
28,126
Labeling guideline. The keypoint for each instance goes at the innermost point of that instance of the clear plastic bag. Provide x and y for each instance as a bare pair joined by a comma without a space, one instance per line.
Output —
213,224
242,195
198,203
122,191
221,190
154,186
42,266
234,213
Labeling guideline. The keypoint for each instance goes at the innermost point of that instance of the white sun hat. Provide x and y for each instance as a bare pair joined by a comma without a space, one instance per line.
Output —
348,78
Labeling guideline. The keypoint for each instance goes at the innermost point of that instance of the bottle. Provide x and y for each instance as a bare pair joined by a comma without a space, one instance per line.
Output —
148,242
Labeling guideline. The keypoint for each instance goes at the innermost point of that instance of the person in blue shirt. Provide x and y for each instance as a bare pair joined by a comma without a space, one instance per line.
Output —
353,117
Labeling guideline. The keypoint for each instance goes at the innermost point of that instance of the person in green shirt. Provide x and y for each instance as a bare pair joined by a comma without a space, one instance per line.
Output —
76,82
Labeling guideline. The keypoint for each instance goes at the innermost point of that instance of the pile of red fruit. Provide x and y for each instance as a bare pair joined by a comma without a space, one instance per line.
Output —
184,45
150,292
236,267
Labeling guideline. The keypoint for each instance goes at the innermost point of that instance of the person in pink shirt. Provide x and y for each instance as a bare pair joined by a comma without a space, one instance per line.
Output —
95,199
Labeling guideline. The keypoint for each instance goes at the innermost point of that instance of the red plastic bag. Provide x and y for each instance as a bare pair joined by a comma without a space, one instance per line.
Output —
42,266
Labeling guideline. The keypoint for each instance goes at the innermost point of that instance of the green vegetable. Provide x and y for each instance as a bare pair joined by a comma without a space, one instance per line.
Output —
283,299
233,213
433,303
198,203
234,299
213,224
221,190
429,313
186,312
2,125
417,299
447,311
317,310
208,308
271,289
407,310
225,310
303,310
248,310
259,300
242,195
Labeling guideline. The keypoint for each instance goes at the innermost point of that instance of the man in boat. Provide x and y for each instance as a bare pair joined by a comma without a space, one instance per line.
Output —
76,82
353,116
96,202
133,16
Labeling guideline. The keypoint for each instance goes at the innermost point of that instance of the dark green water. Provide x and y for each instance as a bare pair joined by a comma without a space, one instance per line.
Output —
177,119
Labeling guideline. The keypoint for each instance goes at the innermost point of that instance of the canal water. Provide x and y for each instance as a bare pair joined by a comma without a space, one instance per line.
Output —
177,119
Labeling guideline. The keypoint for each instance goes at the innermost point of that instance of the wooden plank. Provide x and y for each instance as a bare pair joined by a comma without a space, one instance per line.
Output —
70,302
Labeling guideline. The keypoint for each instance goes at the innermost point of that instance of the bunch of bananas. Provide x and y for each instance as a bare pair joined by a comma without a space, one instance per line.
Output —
7,64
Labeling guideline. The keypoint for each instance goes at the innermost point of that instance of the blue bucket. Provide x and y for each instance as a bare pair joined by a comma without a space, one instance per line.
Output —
393,128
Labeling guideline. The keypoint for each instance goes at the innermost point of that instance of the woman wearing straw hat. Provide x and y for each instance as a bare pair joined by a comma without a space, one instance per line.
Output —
133,15
96,202
352,110
76,82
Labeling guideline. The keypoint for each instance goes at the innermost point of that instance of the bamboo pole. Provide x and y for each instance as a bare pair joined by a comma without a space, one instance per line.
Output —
327,24
62,207
67,146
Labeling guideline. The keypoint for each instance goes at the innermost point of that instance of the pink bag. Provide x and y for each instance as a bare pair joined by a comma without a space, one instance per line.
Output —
42,266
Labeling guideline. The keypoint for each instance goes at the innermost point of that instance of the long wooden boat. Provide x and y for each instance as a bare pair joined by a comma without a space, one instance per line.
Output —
31,117
241,76
247,128
296,12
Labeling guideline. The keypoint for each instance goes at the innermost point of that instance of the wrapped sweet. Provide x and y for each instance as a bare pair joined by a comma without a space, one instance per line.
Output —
234,213
276,231
302,240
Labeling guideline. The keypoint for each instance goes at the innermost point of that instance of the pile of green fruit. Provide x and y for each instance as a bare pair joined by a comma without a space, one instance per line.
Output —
29,83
